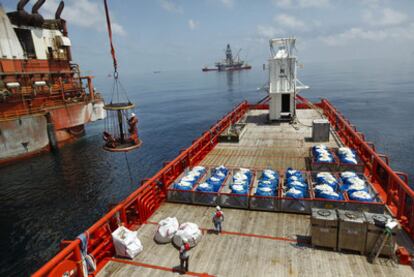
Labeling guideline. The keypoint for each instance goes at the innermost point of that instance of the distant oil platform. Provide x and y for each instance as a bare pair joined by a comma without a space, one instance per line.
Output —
229,63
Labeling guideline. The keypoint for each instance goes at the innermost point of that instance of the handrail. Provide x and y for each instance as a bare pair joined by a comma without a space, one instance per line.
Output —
146,199
367,147
393,186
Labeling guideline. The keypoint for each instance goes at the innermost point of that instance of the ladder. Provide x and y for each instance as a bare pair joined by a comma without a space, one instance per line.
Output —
385,238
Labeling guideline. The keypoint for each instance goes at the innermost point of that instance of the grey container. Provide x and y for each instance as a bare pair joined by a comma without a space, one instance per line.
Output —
320,130
352,231
374,231
324,228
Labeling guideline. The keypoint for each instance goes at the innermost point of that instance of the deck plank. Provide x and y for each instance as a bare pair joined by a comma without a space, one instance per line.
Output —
234,255
278,145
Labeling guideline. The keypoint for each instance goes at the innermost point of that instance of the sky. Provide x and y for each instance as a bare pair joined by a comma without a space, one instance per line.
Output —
170,35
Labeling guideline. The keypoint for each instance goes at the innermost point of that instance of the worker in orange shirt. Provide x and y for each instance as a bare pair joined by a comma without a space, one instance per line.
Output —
133,129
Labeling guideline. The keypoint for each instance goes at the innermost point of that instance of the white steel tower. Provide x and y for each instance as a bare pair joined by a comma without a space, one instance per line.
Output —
282,77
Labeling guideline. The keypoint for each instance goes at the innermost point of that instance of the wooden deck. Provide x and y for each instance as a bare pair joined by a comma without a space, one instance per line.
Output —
253,244
263,145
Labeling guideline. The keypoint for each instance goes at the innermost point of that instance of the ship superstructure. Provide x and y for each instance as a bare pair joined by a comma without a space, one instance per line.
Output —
44,99
229,63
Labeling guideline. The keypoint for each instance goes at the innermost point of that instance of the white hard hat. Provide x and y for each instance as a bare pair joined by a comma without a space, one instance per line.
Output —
132,114
218,208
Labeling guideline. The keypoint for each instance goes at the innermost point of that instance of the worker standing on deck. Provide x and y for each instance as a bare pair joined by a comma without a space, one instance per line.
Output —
184,256
218,218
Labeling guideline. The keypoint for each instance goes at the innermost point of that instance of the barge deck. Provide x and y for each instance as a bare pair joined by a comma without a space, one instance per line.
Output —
254,243
278,146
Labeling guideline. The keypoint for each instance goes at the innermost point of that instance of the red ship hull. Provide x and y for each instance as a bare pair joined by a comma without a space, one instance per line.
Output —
137,208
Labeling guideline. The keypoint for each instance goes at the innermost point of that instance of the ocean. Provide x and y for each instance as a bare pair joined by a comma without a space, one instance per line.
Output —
58,195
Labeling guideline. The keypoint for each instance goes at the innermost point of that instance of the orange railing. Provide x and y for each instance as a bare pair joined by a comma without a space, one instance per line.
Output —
392,186
143,202
140,205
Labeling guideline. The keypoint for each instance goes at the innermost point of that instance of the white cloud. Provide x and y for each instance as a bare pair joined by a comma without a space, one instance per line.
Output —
353,34
384,17
289,21
268,31
192,24
84,13
228,3
301,3
171,6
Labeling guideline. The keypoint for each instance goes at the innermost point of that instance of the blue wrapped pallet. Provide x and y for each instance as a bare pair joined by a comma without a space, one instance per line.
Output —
323,159
237,192
327,187
349,160
266,191
297,191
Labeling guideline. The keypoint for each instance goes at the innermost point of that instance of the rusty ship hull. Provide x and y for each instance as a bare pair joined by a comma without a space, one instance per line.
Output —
44,100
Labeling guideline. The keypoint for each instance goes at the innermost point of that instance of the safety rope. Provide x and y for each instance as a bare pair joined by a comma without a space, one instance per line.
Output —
129,169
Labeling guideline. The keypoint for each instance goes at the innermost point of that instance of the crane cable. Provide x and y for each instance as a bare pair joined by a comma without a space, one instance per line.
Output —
108,24
117,84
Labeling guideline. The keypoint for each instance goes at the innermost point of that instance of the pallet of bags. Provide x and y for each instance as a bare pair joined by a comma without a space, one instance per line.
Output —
323,158
326,190
361,193
235,194
265,190
182,189
206,193
295,192
349,160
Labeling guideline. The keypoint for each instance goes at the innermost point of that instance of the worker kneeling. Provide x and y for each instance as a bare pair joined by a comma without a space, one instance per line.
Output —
218,218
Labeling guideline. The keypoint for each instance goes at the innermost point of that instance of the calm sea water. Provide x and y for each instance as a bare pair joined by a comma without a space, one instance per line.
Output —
57,196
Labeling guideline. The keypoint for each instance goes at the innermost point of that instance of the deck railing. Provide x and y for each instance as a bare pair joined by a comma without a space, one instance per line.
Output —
142,203
392,186
139,206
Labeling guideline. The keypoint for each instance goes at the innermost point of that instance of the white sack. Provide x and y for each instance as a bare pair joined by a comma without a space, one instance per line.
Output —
126,243
188,231
166,230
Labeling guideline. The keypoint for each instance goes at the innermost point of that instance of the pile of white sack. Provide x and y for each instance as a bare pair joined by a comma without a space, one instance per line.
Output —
169,230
